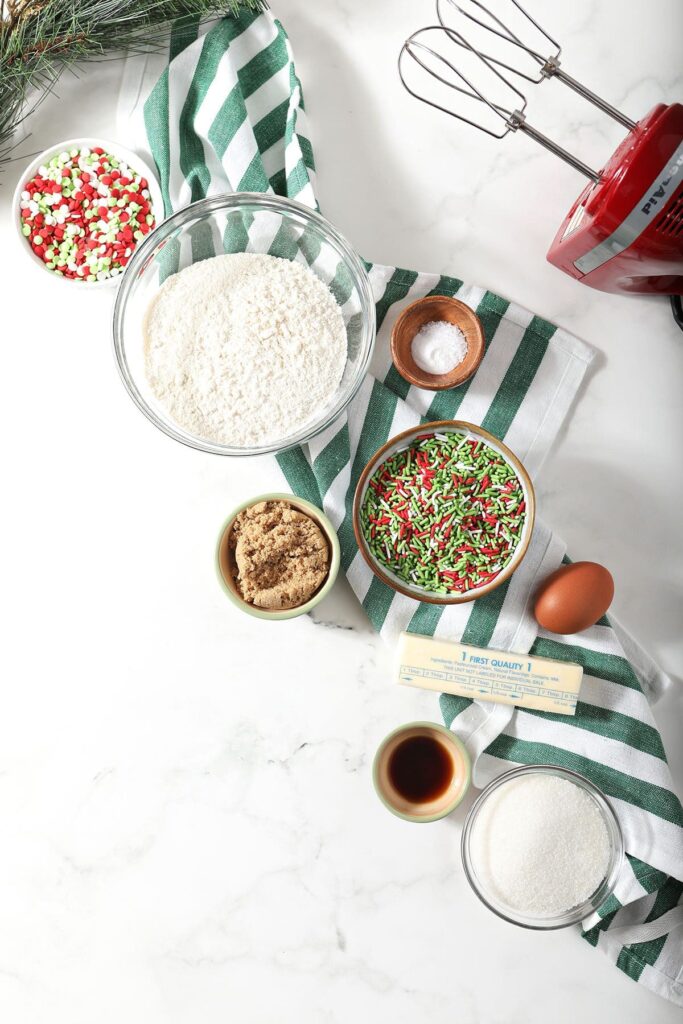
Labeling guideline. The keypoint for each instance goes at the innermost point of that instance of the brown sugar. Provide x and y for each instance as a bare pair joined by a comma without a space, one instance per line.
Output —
281,556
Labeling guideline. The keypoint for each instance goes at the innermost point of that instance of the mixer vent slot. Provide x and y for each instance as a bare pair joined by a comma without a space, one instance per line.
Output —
671,221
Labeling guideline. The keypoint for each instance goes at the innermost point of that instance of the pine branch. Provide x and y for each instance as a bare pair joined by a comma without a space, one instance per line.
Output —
39,39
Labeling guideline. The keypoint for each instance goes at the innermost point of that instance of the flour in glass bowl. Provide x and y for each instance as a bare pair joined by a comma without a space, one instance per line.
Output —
244,349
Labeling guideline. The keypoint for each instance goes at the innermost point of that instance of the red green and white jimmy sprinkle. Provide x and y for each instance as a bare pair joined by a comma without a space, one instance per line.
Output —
445,514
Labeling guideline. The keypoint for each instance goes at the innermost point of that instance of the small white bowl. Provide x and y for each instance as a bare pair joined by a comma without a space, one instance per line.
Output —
132,159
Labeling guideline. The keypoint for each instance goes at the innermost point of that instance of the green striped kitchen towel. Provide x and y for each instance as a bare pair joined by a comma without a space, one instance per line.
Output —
226,113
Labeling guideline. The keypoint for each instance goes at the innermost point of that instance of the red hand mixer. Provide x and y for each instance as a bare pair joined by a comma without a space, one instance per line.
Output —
624,233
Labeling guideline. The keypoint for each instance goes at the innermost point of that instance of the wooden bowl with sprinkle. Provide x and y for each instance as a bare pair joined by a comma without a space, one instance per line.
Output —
435,309
427,564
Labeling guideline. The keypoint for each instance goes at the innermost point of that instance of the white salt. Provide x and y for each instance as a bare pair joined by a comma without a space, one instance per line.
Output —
540,845
438,347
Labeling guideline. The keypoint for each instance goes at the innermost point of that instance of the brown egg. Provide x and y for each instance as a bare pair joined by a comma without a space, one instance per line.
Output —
574,597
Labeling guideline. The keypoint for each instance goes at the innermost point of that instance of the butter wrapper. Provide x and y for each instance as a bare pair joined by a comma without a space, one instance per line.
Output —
483,674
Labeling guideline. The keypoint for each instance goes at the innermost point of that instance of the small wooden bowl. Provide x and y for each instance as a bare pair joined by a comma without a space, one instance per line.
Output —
399,443
424,311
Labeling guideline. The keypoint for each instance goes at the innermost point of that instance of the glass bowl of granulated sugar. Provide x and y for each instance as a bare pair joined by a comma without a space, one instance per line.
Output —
244,324
542,847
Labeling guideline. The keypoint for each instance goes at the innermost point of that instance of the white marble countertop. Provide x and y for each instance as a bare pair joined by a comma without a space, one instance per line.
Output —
189,828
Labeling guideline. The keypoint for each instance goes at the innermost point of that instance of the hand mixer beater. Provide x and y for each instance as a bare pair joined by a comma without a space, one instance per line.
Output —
624,233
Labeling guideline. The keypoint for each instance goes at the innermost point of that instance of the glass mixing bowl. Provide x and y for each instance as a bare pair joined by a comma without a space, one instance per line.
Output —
243,222
573,915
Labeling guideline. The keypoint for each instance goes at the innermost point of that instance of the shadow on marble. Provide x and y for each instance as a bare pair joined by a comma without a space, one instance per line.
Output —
354,142
342,610
640,538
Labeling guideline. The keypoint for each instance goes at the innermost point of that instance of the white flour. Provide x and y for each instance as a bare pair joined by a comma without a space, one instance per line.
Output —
244,349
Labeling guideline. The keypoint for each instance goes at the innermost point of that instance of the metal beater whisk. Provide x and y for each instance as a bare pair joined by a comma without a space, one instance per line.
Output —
431,50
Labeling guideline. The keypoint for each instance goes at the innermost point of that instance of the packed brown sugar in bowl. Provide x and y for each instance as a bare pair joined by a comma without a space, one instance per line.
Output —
281,556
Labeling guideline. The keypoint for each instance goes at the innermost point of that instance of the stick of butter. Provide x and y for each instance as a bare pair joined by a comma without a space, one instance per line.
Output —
482,674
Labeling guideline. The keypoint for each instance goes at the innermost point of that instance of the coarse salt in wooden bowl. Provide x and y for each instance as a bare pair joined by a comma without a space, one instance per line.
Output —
400,443
428,310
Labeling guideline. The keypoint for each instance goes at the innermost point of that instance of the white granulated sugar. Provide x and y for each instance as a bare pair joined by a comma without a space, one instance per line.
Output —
540,845
244,349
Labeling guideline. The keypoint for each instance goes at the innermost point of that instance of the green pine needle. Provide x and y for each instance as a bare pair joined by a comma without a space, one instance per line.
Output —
41,38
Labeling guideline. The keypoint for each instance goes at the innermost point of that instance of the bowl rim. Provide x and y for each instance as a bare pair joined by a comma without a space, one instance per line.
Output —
88,141
441,381
576,914
236,200
335,556
451,738
439,426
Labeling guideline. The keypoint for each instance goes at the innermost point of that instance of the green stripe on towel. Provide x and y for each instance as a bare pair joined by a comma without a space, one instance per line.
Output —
519,376
646,795
445,404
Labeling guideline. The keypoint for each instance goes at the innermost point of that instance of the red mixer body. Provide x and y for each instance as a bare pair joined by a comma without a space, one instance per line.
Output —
625,232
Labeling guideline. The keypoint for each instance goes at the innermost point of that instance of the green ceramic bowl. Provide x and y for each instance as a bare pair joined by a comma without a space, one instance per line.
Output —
445,802
222,557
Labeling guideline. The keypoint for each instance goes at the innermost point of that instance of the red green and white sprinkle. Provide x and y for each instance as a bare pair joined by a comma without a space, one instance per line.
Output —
84,213
445,514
